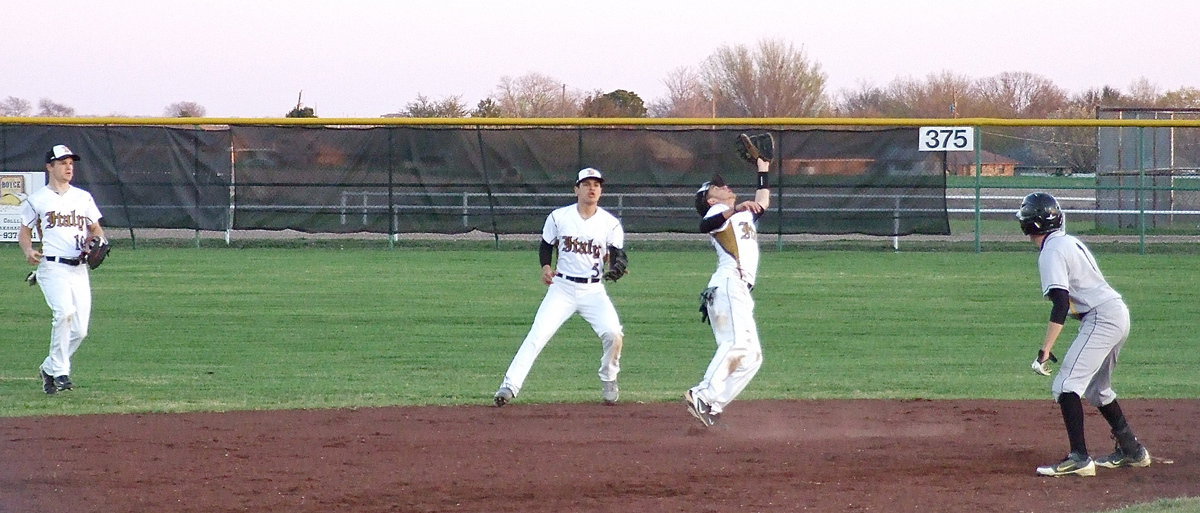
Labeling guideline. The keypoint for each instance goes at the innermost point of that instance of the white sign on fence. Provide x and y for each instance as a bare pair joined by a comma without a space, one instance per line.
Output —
14,187
946,138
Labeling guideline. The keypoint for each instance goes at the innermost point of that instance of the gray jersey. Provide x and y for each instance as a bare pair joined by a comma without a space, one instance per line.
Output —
1066,263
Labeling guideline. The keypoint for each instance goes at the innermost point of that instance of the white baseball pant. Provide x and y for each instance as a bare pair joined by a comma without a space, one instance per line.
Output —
739,353
68,292
563,299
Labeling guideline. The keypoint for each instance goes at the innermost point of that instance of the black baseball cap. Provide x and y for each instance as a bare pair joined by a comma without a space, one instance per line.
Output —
59,152
702,193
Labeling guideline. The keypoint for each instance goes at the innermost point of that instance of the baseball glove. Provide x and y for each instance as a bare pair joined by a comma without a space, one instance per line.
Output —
95,251
31,278
706,300
618,264
753,147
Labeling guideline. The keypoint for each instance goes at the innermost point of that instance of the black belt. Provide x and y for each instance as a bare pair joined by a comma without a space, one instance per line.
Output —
68,261
577,280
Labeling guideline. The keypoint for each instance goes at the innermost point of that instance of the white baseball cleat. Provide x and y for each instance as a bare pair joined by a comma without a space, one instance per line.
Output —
611,392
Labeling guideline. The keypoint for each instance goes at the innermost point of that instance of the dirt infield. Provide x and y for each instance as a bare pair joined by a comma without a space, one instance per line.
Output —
862,455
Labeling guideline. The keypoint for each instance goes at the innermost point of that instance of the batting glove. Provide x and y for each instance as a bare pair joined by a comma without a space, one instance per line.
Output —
1040,364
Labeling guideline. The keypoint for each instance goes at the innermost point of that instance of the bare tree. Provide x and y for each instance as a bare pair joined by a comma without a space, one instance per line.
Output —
17,107
1182,98
1071,148
424,107
48,108
1020,95
184,110
868,101
774,80
535,95
939,96
1143,93
687,97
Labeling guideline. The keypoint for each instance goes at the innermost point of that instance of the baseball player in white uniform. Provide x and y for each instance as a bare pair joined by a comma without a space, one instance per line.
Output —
726,303
1072,281
66,217
586,236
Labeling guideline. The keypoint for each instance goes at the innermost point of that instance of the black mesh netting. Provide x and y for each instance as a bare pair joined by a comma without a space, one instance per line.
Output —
498,180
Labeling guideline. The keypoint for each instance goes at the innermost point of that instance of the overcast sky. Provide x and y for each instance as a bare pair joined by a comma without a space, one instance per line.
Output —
358,58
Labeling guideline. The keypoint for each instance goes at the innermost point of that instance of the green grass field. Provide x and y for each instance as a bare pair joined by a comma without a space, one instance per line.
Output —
218,329
183,329
1185,505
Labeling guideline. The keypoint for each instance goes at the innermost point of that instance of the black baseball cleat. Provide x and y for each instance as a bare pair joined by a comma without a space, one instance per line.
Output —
1119,458
48,385
699,409
63,382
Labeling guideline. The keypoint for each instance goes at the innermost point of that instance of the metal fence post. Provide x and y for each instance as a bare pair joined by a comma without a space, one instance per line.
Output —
1141,157
978,189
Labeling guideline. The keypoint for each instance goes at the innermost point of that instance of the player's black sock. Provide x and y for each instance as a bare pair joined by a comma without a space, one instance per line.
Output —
1072,413
1120,427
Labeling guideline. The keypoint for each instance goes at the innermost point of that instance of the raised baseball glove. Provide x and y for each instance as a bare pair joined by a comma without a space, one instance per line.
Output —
95,251
618,264
753,147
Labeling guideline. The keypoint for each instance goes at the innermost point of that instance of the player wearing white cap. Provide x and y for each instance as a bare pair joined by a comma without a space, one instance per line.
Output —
586,236
66,217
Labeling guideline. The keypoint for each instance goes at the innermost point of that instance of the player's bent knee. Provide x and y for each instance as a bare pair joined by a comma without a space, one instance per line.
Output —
1066,396
611,334
611,338
754,360
1102,398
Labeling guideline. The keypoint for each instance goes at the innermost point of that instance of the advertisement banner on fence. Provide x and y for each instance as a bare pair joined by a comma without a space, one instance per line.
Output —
14,187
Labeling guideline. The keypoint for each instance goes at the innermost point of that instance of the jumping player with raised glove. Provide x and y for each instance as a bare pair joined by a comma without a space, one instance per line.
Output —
72,242
1073,283
726,303
586,236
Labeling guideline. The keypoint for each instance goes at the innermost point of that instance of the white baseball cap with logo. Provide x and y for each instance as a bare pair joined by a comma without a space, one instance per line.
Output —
59,152
589,172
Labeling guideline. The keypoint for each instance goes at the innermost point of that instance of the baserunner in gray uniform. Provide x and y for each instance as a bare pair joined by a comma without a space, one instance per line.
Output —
1072,281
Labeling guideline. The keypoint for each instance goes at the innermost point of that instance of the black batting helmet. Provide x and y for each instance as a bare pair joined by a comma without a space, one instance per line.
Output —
1039,214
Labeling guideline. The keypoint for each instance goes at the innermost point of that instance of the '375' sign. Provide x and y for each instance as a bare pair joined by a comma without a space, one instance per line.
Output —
946,138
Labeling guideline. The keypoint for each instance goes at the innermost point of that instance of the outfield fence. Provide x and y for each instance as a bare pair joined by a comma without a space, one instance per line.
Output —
882,179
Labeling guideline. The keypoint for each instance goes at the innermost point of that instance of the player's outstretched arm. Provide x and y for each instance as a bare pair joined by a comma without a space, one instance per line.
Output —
762,196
